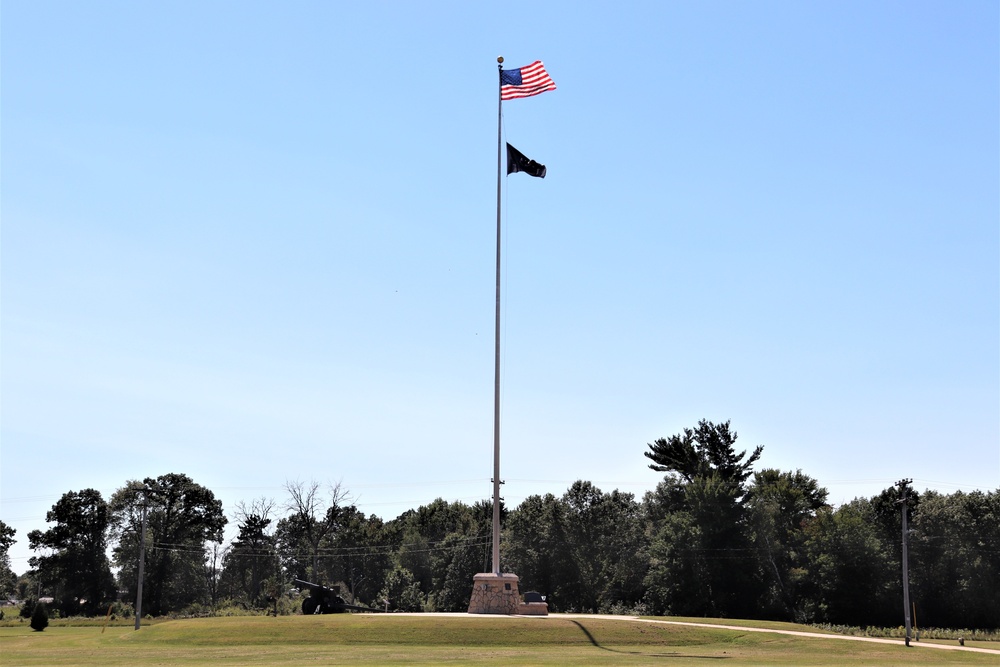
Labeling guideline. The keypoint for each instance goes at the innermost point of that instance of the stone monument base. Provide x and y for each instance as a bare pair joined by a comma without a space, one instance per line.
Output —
494,594
498,594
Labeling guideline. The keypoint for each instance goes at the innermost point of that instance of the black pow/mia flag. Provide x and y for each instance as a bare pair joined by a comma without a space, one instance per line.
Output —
518,161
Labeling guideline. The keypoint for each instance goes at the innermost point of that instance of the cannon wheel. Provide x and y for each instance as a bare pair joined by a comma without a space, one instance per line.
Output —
308,606
332,604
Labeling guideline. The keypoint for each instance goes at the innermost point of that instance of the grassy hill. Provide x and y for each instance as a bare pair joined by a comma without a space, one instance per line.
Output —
362,639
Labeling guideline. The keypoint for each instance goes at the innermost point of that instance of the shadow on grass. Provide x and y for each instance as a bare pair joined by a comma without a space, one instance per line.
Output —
674,654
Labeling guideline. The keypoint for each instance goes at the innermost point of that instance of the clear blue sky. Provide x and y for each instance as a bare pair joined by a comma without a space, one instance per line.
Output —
254,242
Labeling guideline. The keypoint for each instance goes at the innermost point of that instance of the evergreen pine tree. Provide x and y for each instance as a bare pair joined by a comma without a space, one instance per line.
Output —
39,618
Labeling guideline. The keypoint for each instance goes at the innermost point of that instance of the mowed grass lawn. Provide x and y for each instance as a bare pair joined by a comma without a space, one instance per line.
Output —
363,639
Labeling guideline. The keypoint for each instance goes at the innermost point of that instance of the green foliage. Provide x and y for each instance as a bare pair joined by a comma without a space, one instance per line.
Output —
955,558
442,546
849,572
181,516
714,538
315,514
455,562
402,592
121,609
76,570
39,618
533,546
26,585
357,554
460,555
8,580
780,505
584,551
252,557
702,452
707,516
285,605
607,546
899,632
677,582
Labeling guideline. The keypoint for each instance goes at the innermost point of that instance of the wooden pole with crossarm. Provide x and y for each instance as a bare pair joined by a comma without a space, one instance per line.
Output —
904,501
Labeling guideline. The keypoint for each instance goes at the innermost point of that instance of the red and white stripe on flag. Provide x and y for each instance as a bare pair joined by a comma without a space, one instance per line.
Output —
531,80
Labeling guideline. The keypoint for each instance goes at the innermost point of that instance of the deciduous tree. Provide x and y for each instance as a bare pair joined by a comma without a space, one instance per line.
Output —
76,568
252,556
313,515
586,550
8,580
780,504
955,558
850,575
360,555
182,516
534,546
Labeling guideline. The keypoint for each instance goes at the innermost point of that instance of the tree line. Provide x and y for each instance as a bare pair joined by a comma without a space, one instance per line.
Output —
715,538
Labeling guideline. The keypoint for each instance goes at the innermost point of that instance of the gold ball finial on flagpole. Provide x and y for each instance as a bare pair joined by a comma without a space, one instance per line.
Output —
500,59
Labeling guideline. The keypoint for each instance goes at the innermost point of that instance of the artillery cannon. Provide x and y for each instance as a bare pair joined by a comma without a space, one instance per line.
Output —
323,600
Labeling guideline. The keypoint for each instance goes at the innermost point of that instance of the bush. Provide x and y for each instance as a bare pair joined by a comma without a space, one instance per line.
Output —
39,618
900,632
122,609
196,610
27,607
622,609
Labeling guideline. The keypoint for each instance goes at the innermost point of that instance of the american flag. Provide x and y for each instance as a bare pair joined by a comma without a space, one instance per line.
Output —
525,81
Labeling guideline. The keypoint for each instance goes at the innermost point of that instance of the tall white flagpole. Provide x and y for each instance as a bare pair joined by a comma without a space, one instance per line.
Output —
496,366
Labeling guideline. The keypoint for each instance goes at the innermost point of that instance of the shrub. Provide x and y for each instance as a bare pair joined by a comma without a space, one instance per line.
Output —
196,610
39,618
622,609
122,609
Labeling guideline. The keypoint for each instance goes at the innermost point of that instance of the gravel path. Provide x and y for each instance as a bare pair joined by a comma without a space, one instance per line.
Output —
741,628
794,633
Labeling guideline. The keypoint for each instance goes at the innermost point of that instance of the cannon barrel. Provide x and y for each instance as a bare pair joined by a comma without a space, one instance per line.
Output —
311,586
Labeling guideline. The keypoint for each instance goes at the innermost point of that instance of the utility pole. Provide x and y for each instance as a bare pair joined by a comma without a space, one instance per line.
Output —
904,501
142,564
